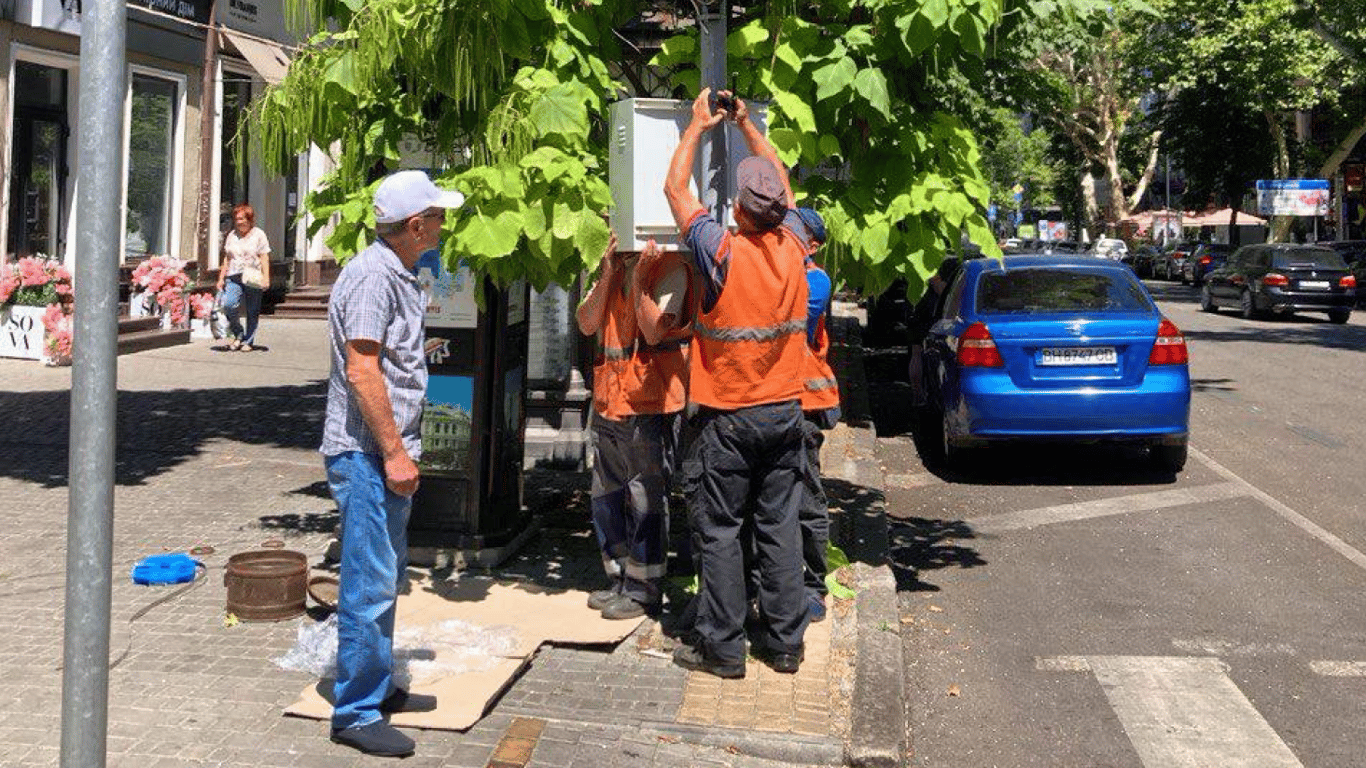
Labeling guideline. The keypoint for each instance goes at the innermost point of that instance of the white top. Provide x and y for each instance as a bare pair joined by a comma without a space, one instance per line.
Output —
246,251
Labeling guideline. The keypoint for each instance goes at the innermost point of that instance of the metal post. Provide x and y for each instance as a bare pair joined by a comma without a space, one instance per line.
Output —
94,388
713,151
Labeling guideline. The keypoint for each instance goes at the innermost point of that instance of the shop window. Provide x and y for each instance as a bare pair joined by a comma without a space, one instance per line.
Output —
151,163
38,166
233,174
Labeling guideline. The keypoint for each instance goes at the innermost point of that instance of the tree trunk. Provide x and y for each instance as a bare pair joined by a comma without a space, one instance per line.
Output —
1090,209
1149,170
1280,225
1233,235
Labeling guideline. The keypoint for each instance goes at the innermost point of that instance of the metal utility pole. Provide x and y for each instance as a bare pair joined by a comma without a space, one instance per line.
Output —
94,388
713,152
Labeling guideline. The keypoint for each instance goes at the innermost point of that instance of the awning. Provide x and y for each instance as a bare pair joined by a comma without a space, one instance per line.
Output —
268,59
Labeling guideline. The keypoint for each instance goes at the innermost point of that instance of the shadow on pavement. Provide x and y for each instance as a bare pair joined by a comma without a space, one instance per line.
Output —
157,430
918,545
1301,329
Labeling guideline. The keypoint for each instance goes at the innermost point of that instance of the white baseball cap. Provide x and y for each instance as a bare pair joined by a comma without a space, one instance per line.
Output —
408,193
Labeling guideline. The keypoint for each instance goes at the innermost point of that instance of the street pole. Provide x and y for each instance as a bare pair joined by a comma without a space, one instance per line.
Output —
94,388
713,151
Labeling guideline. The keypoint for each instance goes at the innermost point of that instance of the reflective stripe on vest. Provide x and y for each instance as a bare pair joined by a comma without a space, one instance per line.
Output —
751,334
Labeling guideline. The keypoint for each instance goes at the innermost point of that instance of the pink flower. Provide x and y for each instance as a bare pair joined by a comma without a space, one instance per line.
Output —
9,283
31,272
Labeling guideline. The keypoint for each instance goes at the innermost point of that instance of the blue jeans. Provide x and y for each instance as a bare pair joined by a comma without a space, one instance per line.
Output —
373,559
237,297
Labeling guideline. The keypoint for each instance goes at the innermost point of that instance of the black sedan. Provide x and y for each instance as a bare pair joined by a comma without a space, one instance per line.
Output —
1354,253
1206,258
1282,278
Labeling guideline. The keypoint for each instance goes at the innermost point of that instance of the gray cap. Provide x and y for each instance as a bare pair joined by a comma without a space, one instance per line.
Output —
761,194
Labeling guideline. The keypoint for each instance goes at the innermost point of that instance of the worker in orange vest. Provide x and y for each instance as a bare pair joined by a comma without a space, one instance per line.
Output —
820,411
748,360
639,309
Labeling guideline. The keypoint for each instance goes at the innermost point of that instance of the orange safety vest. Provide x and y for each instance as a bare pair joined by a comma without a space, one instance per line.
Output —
633,378
821,388
750,349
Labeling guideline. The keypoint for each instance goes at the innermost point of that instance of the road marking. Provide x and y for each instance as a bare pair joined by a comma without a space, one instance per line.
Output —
1213,646
1118,505
1184,712
1339,668
1295,518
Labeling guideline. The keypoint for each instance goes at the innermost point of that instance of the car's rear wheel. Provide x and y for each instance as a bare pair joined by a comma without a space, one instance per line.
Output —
1339,316
1170,458
952,456
1207,299
1247,306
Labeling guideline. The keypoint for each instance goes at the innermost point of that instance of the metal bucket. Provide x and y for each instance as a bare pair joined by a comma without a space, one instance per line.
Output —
266,585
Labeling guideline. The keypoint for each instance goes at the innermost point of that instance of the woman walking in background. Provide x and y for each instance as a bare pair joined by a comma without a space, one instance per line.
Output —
243,276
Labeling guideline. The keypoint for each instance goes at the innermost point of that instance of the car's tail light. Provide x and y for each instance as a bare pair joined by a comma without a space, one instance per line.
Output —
1349,281
1274,278
1205,260
1170,346
976,348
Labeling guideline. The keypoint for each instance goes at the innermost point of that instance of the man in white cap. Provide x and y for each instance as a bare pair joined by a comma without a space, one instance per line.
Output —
371,444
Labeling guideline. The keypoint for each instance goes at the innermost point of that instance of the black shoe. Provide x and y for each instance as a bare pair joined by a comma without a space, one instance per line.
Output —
377,738
623,607
596,600
689,657
403,701
786,663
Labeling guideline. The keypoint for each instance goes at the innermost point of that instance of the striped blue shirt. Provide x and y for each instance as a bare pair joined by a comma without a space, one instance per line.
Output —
378,299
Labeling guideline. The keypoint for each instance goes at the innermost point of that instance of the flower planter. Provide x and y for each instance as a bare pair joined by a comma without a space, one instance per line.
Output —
22,332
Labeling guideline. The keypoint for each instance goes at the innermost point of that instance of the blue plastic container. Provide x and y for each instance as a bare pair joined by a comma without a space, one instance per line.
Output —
175,568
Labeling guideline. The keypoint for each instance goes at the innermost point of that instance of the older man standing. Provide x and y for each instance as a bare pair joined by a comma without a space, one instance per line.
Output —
371,444
746,379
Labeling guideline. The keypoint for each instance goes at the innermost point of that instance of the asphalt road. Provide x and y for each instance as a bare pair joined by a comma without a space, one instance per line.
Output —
1071,607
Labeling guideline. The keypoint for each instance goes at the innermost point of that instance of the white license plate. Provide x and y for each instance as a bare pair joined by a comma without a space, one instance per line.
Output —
1313,283
1077,356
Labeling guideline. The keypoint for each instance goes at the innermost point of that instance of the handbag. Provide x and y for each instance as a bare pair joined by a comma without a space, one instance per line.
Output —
253,277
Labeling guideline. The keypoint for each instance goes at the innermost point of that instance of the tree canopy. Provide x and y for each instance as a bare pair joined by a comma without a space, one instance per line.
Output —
513,94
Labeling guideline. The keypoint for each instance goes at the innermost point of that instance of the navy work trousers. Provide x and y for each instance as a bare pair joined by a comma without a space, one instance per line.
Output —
753,454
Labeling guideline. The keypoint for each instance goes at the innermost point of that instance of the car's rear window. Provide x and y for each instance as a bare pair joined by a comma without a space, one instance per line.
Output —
1039,290
1309,257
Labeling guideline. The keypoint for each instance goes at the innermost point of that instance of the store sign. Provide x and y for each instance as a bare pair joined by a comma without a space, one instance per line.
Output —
65,15
263,18
1292,197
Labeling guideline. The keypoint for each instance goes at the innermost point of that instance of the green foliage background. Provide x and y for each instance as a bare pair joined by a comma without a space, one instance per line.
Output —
866,103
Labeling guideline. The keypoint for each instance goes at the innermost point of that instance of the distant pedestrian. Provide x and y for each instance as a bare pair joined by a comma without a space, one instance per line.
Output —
243,276
371,444
748,359
640,311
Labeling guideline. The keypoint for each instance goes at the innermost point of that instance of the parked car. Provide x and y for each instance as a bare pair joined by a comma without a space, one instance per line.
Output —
1206,258
1354,253
1143,259
1282,278
1173,258
1110,248
1054,347
1061,246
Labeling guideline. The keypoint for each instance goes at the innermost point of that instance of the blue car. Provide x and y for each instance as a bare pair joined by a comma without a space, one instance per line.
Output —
1053,347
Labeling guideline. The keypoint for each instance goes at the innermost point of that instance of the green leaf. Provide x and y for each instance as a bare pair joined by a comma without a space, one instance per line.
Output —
560,111
796,110
871,84
788,144
789,56
491,237
833,78
746,40
936,12
829,146
341,73
971,32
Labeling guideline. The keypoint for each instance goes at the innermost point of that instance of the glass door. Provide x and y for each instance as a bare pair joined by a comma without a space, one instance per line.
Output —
38,162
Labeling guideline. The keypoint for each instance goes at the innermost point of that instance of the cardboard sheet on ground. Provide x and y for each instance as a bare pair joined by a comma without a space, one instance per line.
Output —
535,614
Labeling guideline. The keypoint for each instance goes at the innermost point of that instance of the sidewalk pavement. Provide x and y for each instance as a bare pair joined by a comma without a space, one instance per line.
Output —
218,449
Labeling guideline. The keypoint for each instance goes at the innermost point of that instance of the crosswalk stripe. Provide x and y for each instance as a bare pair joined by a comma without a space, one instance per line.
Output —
1118,505
1339,668
1182,711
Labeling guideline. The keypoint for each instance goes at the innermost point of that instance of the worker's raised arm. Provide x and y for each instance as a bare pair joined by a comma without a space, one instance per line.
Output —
683,202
